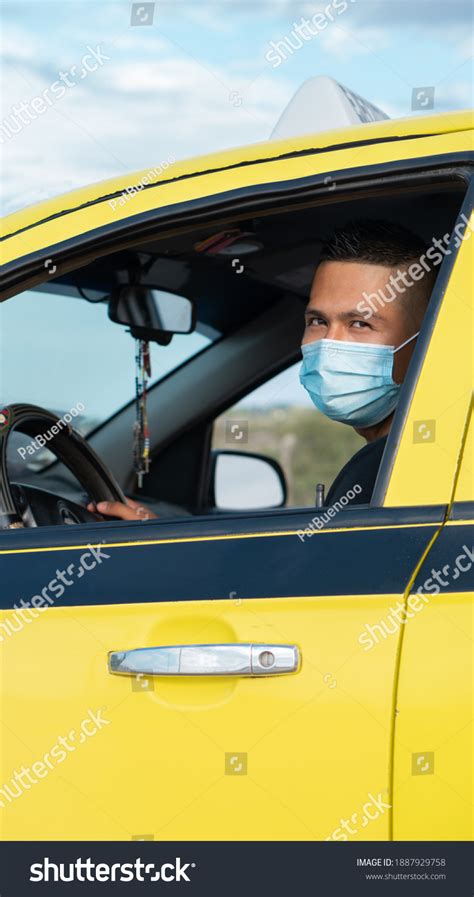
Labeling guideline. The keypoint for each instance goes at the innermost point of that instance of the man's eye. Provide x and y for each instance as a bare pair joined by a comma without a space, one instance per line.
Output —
315,322
360,324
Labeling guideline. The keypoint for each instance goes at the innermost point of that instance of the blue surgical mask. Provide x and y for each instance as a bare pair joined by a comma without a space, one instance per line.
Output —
351,382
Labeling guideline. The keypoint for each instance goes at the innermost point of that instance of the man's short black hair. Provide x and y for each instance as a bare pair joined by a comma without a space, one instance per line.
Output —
375,242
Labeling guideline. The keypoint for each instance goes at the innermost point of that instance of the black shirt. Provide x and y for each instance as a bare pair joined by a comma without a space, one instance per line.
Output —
362,470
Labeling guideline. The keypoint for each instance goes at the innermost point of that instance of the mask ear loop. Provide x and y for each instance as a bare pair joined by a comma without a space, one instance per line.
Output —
407,341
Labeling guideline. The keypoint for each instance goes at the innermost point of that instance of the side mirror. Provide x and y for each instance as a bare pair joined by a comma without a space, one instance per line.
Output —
152,314
243,481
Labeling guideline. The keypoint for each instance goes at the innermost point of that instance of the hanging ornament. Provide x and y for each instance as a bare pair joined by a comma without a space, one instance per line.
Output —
141,432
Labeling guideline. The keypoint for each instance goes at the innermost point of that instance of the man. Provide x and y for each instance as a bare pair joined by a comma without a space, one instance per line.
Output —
362,320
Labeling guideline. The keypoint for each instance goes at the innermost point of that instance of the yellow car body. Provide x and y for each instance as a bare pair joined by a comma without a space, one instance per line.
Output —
377,735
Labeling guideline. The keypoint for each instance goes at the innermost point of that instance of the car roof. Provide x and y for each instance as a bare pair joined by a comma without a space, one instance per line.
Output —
380,131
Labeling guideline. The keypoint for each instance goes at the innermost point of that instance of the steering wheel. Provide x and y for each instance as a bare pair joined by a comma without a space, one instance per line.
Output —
27,506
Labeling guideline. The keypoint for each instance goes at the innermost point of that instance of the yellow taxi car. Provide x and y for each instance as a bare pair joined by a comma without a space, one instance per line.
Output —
208,674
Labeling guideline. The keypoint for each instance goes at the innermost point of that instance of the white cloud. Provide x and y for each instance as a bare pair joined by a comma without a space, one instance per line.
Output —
171,75
18,44
133,115
131,42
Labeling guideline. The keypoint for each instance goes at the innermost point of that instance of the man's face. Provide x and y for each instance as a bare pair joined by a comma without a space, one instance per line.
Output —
331,313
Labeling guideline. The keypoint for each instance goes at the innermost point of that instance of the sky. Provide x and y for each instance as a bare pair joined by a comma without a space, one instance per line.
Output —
193,78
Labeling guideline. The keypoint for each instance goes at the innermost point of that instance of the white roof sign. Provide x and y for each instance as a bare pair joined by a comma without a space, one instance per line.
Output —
321,104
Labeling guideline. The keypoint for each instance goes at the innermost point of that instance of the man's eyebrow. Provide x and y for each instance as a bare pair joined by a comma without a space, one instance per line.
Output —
343,315
355,313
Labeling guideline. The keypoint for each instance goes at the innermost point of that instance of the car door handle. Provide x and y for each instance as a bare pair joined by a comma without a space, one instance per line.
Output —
206,660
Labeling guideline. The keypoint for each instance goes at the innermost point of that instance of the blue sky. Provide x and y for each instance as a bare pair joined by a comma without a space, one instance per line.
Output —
197,80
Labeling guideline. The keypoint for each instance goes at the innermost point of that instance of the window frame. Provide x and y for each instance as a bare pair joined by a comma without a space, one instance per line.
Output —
420,354
363,181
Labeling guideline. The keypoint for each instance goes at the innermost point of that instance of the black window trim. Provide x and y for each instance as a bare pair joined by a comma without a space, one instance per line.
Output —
261,523
462,510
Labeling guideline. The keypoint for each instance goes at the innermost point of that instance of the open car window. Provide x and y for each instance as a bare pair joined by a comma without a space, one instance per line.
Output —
279,420
71,357
63,352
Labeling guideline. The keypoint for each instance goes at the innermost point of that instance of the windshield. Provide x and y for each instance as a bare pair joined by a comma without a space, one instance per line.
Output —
64,353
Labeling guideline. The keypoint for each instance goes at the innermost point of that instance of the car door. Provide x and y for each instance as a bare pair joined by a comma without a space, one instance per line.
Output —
433,748
185,756
306,754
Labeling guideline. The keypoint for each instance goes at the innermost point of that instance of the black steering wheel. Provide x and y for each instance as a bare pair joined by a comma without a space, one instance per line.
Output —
27,506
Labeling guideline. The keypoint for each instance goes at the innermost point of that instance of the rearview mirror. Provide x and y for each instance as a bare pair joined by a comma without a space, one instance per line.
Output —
241,481
152,314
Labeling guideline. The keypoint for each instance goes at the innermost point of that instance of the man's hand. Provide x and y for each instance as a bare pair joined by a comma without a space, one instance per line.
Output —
133,510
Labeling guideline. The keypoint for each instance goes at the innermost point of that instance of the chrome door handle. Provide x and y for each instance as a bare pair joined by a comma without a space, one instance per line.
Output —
206,660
